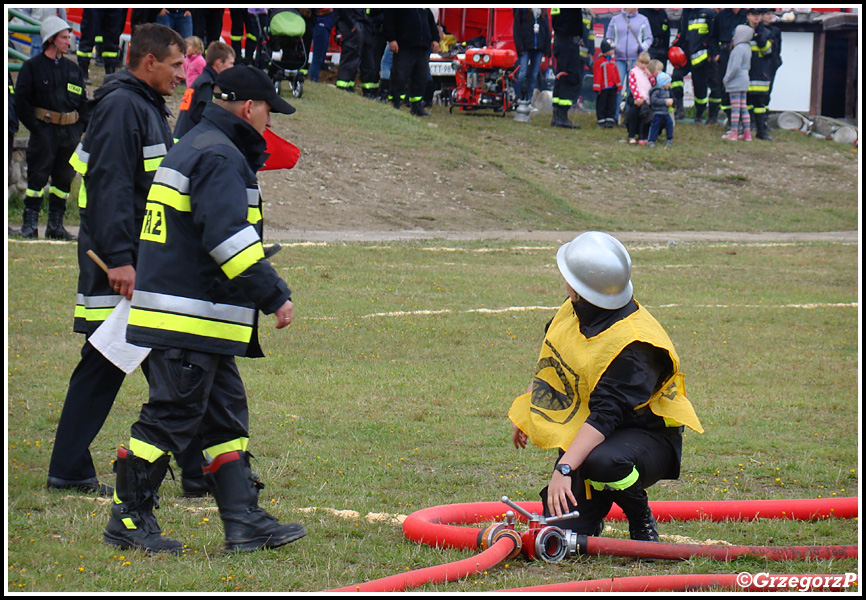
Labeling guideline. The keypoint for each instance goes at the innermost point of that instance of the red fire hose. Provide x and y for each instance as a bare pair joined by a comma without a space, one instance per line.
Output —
435,527
448,572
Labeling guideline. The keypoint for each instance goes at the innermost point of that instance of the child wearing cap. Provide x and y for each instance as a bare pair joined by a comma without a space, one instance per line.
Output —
661,101
607,84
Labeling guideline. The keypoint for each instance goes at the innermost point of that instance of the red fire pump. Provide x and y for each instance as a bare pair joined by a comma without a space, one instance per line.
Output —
485,79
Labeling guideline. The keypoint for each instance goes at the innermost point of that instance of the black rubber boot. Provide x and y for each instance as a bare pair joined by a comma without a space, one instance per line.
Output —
634,503
713,117
236,490
132,523
55,229
560,117
763,123
29,224
417,109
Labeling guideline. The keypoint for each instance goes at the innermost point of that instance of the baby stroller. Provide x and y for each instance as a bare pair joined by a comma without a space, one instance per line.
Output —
285,51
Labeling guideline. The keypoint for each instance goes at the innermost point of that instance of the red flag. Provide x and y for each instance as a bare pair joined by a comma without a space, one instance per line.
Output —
283,155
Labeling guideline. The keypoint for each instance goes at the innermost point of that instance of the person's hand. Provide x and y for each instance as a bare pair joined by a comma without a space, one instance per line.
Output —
435,46
669,102
394,47
163,12
638,101
518,438
285,314
559,494
122,280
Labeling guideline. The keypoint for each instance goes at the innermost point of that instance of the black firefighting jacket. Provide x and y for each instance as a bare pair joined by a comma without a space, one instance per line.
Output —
57,86
194,100
126,140
202,275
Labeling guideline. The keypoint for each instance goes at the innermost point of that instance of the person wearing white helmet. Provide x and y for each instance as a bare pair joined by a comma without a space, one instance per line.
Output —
607,393
51,101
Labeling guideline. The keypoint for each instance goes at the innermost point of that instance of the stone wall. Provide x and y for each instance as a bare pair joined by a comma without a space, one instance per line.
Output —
18,168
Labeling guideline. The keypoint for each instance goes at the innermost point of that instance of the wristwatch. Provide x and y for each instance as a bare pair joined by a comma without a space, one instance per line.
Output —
564,469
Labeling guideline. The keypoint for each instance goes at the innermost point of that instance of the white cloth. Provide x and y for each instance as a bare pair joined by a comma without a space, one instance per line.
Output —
110,339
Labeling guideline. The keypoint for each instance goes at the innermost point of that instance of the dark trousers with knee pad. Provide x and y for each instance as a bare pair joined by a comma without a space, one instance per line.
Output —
618,471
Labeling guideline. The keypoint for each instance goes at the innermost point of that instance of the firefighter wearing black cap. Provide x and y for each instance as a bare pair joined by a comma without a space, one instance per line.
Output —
567,36
201,281
51,101
760,73
700,48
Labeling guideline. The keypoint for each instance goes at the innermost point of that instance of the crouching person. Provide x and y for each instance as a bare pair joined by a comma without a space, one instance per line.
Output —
201,281
607,393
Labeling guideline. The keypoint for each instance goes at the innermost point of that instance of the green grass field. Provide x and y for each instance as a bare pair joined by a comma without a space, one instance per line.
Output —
390,391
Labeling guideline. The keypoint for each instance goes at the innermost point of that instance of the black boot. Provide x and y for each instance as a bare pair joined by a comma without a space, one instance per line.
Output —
55,230
679,110
236,490
417,109
384,90
634,503
29,225
763,124
132,523
713,117
560,117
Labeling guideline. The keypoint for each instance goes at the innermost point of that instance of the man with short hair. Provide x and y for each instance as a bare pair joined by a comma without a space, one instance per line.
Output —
51,101
202,279
126,139
218,57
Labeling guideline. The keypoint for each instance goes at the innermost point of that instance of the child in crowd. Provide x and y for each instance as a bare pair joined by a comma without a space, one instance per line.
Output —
655,67
660,100
638,117
607,85
736,81
194,63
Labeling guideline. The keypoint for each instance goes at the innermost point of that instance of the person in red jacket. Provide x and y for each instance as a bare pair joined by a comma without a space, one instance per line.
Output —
607,85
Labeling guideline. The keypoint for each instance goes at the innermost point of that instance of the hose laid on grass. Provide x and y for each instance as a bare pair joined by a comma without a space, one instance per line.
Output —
434,526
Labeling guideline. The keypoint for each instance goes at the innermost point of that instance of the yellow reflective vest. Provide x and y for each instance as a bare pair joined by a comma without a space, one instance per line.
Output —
570,366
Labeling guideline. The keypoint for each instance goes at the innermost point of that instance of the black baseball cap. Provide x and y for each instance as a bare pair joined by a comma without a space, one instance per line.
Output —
242,82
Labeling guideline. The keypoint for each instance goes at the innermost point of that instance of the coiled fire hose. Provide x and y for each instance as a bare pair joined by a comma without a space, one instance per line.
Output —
436,526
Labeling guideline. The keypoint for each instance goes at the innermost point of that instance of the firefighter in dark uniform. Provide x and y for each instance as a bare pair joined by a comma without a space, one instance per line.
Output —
127,137
103,27
219,57
776,37
587,45
661,30
722,32
411,34
201,281
51,101
363,45
610,367
567,26
695,40
760,74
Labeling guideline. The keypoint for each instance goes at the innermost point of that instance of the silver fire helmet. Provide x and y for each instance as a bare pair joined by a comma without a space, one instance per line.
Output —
597,266
51,27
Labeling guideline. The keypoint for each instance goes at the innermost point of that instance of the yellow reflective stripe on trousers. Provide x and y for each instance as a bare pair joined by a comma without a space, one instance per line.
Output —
145,451
625,482
192,325
237,445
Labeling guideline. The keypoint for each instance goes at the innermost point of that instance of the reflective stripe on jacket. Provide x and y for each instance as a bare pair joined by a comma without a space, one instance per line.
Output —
203,276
